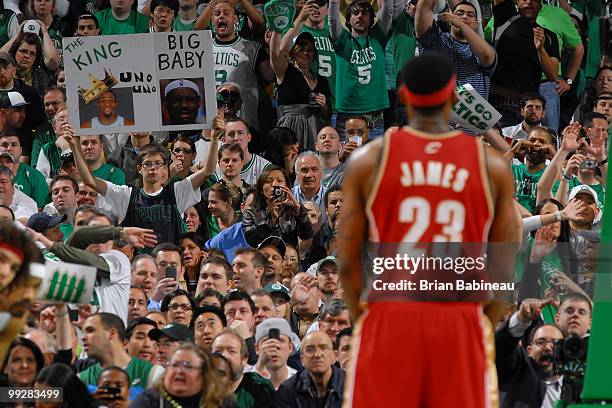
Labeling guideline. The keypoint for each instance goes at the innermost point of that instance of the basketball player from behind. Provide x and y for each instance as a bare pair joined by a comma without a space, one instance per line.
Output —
445,354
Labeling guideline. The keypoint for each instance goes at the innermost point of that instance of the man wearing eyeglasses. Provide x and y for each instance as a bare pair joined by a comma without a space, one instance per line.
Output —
527,377
473,58
321,383
163,13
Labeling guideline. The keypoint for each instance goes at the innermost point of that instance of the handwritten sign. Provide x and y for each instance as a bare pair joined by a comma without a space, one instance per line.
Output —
140,82
472,111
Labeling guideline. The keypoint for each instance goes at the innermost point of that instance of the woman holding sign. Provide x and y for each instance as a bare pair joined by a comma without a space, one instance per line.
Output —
303,95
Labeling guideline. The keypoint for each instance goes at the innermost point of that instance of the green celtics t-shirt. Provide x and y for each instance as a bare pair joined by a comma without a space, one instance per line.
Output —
137,370
180,25
360,62
526,185
66,229
400,48
327,55
32,183
599,189
135,23
110,173
44,134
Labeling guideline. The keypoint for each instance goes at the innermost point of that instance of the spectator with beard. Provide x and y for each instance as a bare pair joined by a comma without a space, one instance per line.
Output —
526,375
273,248
537,148
532,112
250,389
328,278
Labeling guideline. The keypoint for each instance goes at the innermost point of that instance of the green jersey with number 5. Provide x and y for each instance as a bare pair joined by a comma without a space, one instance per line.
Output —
360,68
327,56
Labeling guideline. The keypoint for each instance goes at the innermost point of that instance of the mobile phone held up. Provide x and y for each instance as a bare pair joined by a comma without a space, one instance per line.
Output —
274,334
171,272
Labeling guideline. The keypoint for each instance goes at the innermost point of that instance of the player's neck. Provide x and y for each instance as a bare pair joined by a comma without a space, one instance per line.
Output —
247,157
588,178
108,120
321,382
120,14
429,124
151,188
236,180
140,141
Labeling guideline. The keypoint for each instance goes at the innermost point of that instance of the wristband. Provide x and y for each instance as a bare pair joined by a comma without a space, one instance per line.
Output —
566,177
558,216
604,161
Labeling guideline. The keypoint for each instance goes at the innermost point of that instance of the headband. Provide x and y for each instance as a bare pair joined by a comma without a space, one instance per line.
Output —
18,252
431,99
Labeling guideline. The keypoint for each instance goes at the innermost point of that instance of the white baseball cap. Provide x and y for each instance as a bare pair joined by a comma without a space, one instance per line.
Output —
31,26
582,189
181,83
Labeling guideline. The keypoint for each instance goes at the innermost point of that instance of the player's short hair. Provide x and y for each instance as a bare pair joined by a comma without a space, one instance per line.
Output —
466,3
150,150
359,5
425,75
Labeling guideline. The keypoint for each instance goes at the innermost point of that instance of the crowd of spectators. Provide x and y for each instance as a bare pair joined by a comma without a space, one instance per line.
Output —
217,281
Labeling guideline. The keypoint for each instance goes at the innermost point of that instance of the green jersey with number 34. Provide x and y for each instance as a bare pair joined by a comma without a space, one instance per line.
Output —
360,68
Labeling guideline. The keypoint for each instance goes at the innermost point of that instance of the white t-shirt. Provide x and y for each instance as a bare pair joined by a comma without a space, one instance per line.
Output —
118,197
114,294
23,206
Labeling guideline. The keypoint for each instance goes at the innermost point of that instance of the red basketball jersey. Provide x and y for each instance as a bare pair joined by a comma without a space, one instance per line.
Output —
430,188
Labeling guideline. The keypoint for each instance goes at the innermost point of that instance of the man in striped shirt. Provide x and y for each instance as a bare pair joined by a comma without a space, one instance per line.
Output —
473,59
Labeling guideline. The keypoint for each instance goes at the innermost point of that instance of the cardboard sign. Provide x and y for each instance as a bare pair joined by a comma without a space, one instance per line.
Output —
140,82
472,111
279,15
66,283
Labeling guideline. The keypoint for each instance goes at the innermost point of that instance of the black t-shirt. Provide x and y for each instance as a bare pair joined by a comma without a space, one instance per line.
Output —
519,68
295,89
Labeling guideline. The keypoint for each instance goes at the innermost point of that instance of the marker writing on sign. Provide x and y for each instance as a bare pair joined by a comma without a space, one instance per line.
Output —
184,53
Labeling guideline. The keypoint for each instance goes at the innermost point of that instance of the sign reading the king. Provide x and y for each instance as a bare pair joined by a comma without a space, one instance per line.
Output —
140,82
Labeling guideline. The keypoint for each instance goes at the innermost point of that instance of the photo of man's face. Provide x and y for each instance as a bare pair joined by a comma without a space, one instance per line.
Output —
183,104
107,106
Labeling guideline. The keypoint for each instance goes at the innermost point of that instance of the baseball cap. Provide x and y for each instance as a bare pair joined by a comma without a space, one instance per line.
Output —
582,189
277,288
6,58
181,83
274,241
329,259
209,309
7,154
276,323
40,222
12,99
177,332
31,26
304,35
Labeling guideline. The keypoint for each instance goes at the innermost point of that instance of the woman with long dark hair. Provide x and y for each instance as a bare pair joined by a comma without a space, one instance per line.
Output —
191,244
275,211
75,394
22,364
283,149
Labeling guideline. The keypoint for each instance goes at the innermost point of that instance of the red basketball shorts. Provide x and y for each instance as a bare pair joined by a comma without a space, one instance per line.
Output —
418,355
